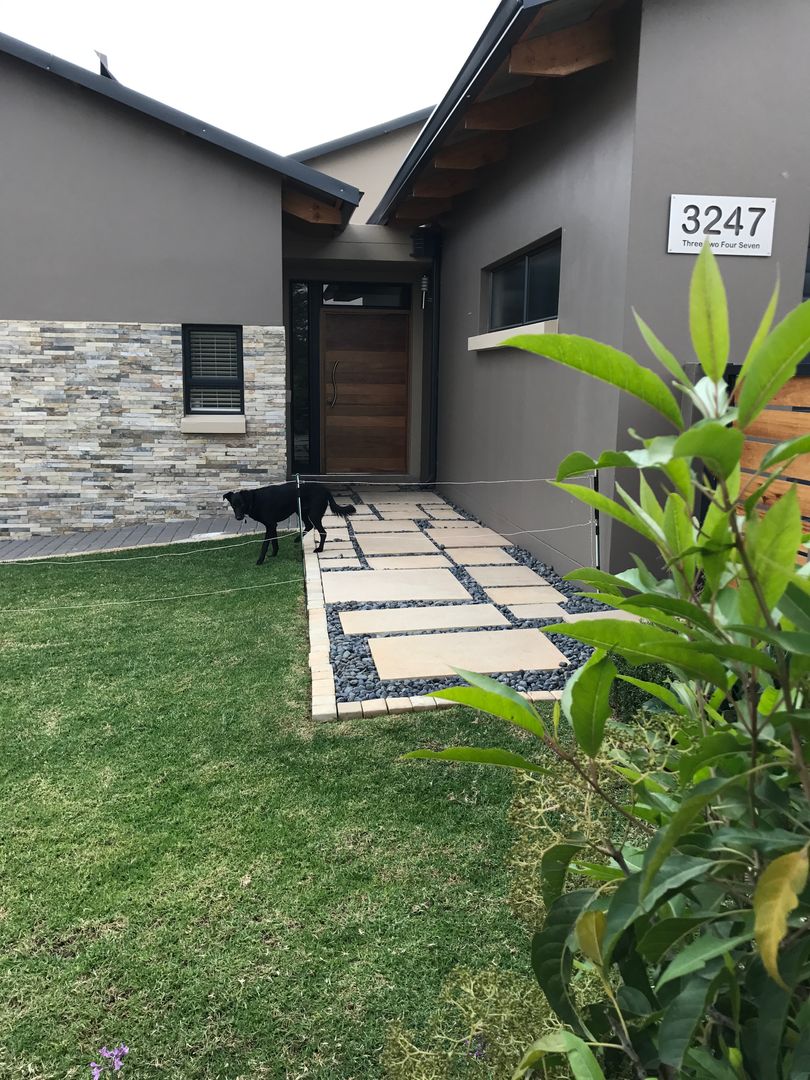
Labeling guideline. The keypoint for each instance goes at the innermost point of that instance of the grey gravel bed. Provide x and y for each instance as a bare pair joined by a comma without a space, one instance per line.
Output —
356,677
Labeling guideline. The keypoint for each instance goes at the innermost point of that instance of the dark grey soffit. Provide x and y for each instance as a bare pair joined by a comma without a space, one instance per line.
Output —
302,175
507,24
356,137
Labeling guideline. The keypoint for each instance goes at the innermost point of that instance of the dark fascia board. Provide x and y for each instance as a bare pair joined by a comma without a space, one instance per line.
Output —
507,24
365,135
314,182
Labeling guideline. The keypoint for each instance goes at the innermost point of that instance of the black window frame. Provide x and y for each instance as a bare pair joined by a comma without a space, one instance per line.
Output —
192,382
553,241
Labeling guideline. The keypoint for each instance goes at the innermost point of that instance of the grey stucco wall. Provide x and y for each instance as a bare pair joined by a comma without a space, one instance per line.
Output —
108,215
721,110
506,414
90,427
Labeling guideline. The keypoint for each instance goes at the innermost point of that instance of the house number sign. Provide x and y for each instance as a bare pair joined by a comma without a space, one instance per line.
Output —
733,225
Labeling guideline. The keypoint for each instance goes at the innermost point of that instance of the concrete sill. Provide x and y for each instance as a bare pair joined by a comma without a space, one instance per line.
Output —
212,425
495,339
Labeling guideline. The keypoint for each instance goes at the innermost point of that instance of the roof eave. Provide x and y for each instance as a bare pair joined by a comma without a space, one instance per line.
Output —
345,142
489,51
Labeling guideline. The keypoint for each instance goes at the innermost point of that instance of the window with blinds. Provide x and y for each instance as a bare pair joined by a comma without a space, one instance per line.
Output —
212,369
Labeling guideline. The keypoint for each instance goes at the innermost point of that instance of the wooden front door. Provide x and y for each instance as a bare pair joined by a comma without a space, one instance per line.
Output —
364,390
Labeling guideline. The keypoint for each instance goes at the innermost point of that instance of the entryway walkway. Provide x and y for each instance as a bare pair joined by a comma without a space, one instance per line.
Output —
409,588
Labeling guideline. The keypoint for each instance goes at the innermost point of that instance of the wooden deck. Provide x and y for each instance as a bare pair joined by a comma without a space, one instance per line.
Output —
87,541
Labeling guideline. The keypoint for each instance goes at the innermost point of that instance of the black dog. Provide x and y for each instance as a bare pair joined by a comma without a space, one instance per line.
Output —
270,505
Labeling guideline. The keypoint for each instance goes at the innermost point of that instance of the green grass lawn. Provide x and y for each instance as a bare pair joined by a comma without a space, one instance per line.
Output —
189,865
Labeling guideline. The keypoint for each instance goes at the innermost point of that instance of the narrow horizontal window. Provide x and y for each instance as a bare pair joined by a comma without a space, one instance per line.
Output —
213,376
526,289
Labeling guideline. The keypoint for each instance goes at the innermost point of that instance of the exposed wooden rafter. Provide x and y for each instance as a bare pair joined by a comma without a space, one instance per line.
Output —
419,210
444,183
309,209
508,112
473,153
564,51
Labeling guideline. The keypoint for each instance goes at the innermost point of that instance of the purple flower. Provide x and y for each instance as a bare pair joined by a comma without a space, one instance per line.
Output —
115,1056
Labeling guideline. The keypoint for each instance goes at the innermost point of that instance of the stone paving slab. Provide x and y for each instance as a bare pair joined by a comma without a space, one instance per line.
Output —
421,618
479,556
395,544
474,536
506,575
376,526
406,513
412,495
408,562
539,611
349,562
434,655
381,586
512,595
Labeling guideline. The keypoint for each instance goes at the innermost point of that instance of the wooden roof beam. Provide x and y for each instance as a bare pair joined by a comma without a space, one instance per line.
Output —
417,211
310,209
444,183
564,51
473,153
508,112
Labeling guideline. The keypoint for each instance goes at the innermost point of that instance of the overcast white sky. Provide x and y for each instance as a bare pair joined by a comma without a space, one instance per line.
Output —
286,74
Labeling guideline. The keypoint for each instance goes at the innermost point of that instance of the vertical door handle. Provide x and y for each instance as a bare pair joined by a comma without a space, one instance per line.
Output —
333,402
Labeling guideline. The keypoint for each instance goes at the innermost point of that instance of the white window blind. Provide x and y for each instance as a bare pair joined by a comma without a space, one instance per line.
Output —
213,369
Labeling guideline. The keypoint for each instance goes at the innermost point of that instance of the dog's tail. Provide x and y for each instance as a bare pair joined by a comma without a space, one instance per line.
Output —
341,511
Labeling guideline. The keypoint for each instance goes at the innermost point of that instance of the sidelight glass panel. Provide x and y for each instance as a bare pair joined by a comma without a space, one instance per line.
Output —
543,284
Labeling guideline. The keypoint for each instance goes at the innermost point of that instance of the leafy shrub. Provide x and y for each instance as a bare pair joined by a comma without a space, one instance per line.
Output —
698,933
626,699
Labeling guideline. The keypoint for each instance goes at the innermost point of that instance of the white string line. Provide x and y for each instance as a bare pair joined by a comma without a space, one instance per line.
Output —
34,561
433,483
557,528
144,600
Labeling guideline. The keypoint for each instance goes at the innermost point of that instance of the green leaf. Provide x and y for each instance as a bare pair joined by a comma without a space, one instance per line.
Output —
789,640
680,535
775,896
764,327
649,503
641,643
551,957
608,583
683,1014
604,505
665,934
660,692
795,604
784,451
709,749
774,363
475,756
589,931
607,364
708,315
490,696
691,613
764,1037
660,351
698,953
707,1067
554,864
694,802
626,905
586,702
772,542
742,653
578,1054
718,446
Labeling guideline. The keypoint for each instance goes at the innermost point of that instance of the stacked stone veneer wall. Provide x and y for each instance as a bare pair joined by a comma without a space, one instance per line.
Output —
90,427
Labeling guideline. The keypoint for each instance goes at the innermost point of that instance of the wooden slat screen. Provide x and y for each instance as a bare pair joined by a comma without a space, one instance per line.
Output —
787,417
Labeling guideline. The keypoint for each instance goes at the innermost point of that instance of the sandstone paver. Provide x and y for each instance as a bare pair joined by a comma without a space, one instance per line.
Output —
506,575
374,525
396,544
383,586
434,655
474,536
408,562
511,595
482,556
421,618
538,611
